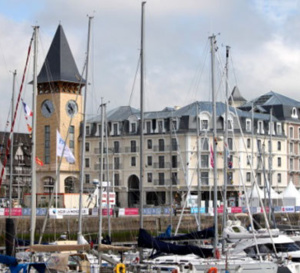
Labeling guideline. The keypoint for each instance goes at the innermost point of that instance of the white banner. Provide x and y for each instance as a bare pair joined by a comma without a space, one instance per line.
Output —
62,211
2,211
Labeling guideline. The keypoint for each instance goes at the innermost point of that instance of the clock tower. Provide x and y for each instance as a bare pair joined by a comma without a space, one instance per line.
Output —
59,107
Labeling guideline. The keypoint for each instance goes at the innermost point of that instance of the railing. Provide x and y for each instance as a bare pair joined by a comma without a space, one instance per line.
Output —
132,149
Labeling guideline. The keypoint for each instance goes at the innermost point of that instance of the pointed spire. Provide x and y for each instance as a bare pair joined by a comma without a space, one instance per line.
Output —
59,65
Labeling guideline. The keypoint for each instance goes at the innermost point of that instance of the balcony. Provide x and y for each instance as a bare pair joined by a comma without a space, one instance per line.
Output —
132,149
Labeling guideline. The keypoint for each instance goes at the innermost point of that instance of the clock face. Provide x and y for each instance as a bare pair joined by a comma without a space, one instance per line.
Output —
47,108
71,108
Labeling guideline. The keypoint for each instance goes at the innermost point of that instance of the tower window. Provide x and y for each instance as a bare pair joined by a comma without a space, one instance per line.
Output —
47,144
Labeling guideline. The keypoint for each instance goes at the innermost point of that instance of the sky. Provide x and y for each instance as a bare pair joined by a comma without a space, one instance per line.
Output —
263,35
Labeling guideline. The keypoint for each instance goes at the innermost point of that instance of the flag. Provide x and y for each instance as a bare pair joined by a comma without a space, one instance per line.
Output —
212,164
39,161
27,111
29,128
227,152
60,143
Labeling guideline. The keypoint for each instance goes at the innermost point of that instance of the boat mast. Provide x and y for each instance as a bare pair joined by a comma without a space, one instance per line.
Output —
226,148
212,47
107,176
79,234
270,169
198,168
12,143
100,181
33,141
142,119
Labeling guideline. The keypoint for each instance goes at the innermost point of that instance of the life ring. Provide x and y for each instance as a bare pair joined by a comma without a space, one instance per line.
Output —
212,270
120,268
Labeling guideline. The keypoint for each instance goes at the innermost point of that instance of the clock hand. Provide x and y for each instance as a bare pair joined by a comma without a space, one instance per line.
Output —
48,108
70,108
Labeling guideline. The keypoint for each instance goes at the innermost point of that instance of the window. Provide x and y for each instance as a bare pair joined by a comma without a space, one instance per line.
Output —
279,128
271,128
204,144
133,146
249,159
174,161
294,113
149,160
133,127
148,127
291,147
291,132
100,130
248,143
87,130
258,178
279,162
149,143
87,146
204,161
279,146
87,178
133,161
116,163
204,178
149,177
260,127
291,164
116,146
204,124
279,177
115,129
230,124
230,144
248,177
161,179
174,125
161,145
160,126
71,139
117,179
161,161
174,178
174,144
259,145
47,144
248,125
87,162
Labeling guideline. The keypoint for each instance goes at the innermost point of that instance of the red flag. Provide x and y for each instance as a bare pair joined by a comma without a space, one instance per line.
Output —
29,128
212,163
39,161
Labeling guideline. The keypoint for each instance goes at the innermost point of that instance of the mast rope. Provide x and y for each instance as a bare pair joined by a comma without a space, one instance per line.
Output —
15,113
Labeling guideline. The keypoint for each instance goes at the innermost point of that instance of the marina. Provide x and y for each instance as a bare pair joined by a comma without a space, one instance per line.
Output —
209,185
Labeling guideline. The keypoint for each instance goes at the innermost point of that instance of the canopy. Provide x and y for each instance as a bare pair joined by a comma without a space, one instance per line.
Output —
290,196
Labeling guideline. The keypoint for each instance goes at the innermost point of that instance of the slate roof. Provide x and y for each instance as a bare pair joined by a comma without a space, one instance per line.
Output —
59,64
236,95
117,114
272,98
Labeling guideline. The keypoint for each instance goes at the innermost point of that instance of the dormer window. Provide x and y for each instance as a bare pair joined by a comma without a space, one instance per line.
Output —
133,127
115,129
248,125
294,113
230,124
271,128
160,126
204,124
174,125
148,127
279,128
260,127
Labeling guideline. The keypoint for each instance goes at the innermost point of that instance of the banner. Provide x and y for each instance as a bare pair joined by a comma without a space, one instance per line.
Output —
63,212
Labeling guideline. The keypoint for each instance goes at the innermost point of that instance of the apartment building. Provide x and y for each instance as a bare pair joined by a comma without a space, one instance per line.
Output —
170,169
